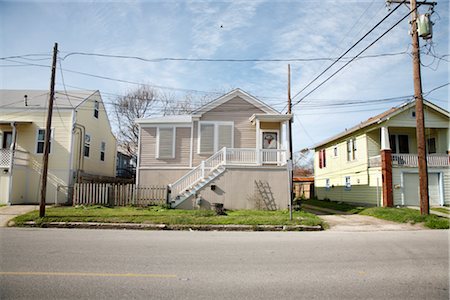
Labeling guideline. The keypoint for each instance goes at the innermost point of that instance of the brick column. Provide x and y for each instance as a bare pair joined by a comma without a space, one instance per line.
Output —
386,173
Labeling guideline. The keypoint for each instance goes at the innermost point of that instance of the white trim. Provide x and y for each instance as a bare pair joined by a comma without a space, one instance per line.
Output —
173,141
191,145
84,145
138,156
154,125
216,135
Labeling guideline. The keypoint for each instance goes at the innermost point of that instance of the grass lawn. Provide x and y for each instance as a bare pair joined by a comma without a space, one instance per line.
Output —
401,215
160,215
441,209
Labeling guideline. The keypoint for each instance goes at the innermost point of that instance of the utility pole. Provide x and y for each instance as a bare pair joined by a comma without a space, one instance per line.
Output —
291,166
420,123
48,135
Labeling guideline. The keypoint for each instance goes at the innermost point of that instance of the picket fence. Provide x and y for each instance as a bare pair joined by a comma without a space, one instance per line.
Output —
117,194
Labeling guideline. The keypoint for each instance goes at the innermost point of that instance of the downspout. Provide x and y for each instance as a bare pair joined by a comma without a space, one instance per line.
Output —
80,165
71,167
11,162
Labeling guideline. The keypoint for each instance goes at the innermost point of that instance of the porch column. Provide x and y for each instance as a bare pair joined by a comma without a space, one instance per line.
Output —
258,142
11,162
386,168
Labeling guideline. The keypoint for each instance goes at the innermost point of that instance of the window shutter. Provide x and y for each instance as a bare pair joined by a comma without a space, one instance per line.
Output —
225,136
324,159
206,138
166,143
320,159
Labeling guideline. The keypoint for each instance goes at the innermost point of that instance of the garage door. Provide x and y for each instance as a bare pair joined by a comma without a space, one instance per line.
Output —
411,189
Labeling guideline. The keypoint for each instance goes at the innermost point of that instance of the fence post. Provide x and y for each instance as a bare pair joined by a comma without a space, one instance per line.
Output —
110,195
168,192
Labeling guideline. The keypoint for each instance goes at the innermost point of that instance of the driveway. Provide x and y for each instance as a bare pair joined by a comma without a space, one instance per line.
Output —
344,222
11,211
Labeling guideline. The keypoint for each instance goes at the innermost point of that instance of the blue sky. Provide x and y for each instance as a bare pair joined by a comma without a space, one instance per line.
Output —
229,30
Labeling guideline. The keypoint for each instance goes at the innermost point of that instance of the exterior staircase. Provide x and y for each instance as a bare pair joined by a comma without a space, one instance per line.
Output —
187,186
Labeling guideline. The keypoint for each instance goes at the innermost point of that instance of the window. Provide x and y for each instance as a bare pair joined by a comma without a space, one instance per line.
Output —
87,145
348,184
322,159
213,136
165,142
335,151
351,149
96,106
431,145
102,151
41,140
399,143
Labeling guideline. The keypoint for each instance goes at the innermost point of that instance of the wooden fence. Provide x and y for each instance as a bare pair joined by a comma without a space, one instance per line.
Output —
114,194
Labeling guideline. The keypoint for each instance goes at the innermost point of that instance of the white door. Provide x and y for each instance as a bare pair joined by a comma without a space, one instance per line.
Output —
411,189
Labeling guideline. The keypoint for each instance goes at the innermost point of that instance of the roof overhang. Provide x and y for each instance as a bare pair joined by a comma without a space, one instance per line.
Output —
165,120
270,118
9,122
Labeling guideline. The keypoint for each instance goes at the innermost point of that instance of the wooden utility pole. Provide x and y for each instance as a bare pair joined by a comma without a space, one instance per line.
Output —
420,123
291,167
48,135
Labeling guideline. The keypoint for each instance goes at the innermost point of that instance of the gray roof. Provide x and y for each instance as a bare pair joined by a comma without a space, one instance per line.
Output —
39,98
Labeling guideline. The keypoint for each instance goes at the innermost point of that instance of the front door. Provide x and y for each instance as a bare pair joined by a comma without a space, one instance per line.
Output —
7,139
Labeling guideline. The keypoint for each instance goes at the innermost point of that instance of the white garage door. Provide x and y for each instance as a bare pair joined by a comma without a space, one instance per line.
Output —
411,189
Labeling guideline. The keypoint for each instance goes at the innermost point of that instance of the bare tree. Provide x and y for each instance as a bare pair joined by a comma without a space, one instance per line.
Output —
303,163
139,103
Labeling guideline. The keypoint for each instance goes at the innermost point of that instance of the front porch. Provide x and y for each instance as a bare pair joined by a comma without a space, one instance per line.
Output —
411,160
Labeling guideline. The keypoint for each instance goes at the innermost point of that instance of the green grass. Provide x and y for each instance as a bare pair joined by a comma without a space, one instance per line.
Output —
2,205
407,215
340,206
159,215
441,209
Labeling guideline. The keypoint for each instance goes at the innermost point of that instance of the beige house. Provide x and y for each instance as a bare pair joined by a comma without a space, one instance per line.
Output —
375,162
232,151
81,143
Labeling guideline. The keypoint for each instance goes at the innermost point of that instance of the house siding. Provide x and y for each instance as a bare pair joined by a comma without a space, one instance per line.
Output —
267,189
237,111
148,148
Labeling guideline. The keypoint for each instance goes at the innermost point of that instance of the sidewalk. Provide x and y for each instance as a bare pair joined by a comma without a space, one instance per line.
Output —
11,211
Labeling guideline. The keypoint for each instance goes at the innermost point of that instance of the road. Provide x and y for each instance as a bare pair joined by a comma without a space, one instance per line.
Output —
120,264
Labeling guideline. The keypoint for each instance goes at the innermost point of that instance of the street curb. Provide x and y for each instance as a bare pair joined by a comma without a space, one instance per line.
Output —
133,226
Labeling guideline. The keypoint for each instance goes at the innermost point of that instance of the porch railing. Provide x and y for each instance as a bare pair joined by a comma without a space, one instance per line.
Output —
411,160
228,156
20,158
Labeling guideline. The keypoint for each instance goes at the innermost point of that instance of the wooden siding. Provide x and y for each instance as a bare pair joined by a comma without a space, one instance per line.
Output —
238,111
148,148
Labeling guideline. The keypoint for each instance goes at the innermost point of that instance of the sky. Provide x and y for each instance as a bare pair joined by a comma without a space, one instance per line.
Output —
269,34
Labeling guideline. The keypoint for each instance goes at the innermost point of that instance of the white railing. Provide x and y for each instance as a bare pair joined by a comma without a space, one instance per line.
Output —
411,160
20,158
228,156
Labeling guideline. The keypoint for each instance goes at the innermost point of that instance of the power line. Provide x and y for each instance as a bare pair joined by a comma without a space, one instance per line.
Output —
348,50
346,64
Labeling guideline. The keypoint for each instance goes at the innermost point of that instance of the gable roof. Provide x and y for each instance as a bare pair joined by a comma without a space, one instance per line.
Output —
386,115
38,99
235,93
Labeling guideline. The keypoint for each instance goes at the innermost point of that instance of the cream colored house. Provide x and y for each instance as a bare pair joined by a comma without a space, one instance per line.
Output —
375,162
81,143
233,151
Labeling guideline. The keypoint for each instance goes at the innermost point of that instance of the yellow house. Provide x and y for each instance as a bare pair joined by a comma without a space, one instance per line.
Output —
81,144
375,162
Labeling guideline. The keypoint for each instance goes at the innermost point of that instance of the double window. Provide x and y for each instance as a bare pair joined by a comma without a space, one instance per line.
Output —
399,143
213,136
165,142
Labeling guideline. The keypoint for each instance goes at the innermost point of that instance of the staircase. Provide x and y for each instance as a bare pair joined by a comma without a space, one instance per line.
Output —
188,185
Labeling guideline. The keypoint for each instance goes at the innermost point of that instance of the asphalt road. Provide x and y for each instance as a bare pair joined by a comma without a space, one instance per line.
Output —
119,264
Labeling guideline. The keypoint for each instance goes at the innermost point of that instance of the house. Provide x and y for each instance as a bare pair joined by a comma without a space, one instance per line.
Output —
125,165
81,144
232,150
375,162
